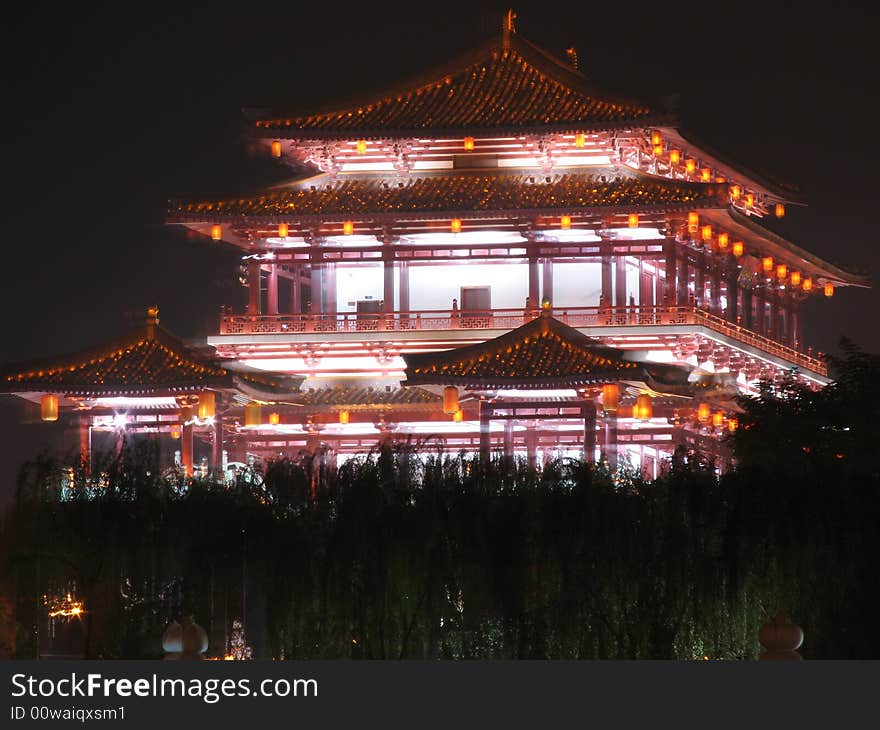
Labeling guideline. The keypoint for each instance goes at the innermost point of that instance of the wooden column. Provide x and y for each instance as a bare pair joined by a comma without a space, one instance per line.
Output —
773,317
681,295
671,270
620,281
253,287
296,290
700,282
329,287
715,293
485,442
607,281
403,285
85,442
588,411
611,439
317,289
747,319
760,320
731,313
508,445
217,446
272,289
186,442
547,284
796,324
388,285
531,438
534,284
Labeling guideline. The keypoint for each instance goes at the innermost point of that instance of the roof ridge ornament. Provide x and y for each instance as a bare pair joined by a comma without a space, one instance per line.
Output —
508,26
152,321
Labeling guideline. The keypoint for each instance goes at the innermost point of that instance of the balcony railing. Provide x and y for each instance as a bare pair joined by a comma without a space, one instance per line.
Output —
507,319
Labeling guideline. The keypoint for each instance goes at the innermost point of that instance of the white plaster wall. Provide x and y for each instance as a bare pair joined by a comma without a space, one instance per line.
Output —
355,282
435,286
632,283
577,285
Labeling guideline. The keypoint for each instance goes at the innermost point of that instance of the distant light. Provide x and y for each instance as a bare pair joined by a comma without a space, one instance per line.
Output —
120,420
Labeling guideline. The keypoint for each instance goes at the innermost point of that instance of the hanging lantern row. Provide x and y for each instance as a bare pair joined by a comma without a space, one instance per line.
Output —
49,407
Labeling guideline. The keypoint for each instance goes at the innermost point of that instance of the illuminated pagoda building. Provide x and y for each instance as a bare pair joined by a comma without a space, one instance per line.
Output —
428,223
503,258
149,383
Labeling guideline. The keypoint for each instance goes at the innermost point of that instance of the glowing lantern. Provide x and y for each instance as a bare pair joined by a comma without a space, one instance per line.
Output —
767,263
706,175
348,227
207,405
706,233
781,271
344,416
49,407
253,414
643,409
703,413
829,290
807,285
458,416
216,232
175,432
693,221
718,419
780,210
276,149
690,165
795,278
455,225
274,419
632,220
732,425
738,248
362,146
564,222
658,150
450,399
610,396
282,230
735,192
656,138
750,200
580,139
674,157
469,144
723,241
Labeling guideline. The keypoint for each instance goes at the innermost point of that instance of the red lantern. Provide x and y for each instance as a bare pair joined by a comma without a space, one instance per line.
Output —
344,416
643,408
580,139
455,225
767,262
348,228
274,419
738,248
216,232
807,285
781,271
450,399
207,405
610,396
703,413
706,233
49,407
361,146
795,278
674,157
735,192
469,144
723,241
656,138
282,230
829,290
564,222
718,419
632,220
276,149
780,210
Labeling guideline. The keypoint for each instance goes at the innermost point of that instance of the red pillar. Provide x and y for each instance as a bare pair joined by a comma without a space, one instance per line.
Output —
253,287
403,285
85,443
620,281
296,290
547,274
272,289
588,411
485,442
217,445
186,442
671,270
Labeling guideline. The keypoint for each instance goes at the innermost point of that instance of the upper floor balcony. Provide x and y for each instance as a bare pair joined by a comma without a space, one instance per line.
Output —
637,326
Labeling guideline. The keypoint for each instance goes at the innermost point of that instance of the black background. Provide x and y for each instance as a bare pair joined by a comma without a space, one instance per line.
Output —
111,109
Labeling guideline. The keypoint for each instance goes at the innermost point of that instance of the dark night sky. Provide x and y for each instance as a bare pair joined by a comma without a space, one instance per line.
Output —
111,111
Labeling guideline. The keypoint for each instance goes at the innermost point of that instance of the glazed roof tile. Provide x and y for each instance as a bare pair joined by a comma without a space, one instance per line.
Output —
502,85
543,353
354,397
146,361
463,192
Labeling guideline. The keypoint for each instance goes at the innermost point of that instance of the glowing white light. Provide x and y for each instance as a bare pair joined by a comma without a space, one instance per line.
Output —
120,420
127,403
522,393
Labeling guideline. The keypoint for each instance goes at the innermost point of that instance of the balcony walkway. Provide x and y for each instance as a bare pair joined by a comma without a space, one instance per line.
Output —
508,319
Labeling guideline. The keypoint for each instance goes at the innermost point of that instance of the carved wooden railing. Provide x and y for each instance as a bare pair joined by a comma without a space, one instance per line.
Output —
507,319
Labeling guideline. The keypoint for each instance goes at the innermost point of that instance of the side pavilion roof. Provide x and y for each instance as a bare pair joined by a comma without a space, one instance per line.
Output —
544,353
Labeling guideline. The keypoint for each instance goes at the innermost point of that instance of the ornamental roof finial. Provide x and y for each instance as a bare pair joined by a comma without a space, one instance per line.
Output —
508,27
152,321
